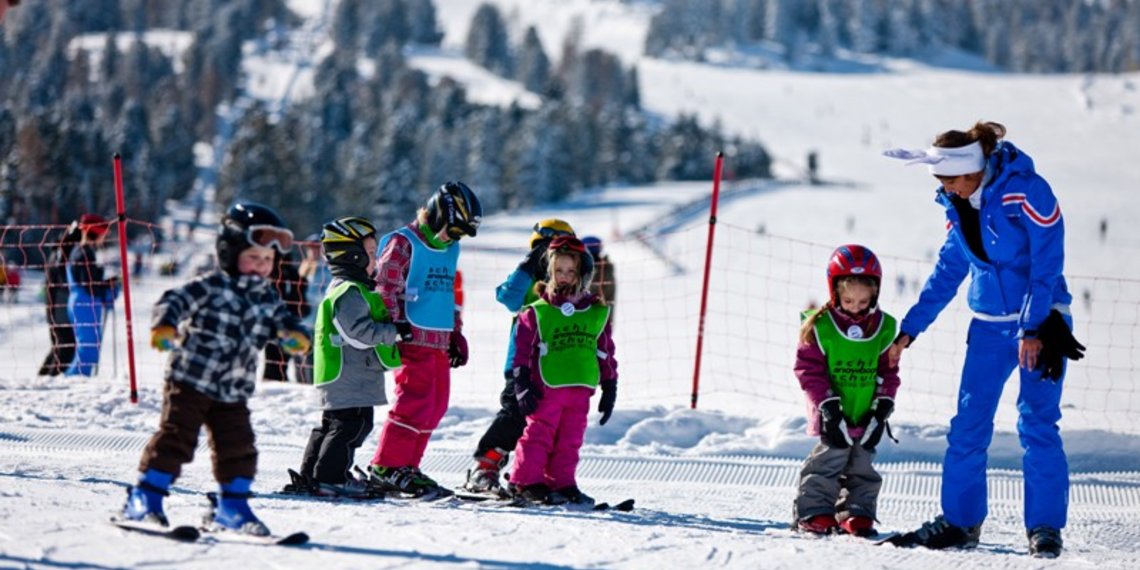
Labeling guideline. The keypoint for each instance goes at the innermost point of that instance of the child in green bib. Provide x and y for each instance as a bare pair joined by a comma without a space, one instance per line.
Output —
844,369
563,353
354,343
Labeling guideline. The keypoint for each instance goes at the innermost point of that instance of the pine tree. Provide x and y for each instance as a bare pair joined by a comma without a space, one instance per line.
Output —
533,69
487,42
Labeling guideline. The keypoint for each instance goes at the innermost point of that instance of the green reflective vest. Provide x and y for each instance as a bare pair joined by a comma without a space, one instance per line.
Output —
853,363
327,354
568,343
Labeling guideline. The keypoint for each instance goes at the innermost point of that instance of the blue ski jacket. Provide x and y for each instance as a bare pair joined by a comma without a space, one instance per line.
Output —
1023,236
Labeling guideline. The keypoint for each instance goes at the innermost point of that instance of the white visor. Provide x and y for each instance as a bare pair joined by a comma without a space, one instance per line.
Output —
944,161
954,161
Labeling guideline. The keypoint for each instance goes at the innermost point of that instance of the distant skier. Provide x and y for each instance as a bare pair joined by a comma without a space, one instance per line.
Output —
355,342
417,284
91,293
215,327
563,353
843,368
493,450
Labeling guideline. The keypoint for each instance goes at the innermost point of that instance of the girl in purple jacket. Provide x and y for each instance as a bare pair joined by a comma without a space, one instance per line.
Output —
563,352
850,385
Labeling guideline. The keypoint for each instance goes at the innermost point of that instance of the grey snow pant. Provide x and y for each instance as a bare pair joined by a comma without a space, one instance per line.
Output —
836,481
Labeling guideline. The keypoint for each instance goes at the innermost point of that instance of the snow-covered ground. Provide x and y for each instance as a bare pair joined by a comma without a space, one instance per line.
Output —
714,486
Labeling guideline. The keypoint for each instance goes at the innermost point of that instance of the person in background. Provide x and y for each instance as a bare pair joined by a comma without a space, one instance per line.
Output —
316,274
293,290
417,284
1006,232
604,285
62,350
563,353
91,293
214,328
850,386
493,450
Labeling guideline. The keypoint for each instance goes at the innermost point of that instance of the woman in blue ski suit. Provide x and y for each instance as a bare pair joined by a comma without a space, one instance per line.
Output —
1007,234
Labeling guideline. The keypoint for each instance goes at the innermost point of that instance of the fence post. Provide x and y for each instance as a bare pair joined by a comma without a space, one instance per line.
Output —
122,217
717,169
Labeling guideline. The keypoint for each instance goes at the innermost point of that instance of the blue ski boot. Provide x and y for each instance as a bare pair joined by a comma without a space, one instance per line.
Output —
231,510
144,500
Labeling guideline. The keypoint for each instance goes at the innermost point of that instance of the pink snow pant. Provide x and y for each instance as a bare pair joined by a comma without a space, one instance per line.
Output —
423,387
548,450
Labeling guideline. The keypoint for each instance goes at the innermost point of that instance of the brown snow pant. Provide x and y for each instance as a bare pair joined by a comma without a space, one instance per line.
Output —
838,481
184,412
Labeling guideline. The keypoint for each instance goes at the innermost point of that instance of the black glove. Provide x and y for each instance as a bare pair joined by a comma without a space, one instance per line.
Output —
833,426
403,331
881,409
1057,344
457,351
606,404
532,264
525,392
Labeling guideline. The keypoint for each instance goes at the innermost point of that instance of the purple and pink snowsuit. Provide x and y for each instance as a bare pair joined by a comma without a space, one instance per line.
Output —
548,450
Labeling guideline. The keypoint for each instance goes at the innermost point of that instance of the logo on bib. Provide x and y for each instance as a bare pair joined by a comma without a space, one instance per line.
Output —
567,308
855,332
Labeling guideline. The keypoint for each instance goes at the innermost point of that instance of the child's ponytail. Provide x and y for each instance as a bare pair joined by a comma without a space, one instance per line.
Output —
807,329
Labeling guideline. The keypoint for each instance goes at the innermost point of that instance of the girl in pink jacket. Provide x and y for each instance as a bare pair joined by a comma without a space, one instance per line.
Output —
564,352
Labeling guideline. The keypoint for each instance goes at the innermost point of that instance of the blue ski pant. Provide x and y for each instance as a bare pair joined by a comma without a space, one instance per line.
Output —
991,356
87,318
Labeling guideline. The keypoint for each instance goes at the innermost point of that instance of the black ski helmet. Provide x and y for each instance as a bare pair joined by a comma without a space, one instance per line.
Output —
245,224
342,241
456,207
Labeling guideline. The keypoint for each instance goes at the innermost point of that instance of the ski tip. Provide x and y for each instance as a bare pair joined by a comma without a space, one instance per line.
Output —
184,533
294,539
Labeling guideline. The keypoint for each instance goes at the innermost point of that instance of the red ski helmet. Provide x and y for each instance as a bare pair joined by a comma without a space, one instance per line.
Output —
853,260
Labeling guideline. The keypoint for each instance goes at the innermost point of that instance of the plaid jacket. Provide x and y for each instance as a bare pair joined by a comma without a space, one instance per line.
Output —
223,323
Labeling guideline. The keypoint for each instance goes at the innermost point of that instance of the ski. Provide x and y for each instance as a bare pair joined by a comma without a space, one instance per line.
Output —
270,540
428,496
184,533
518,502
369,498
300,487
623,506
481,497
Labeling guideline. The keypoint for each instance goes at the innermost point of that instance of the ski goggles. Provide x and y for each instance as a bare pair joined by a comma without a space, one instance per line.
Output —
567,243
280,239
549,233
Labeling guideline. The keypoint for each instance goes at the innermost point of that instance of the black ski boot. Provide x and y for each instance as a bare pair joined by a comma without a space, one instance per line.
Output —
1045,542
938,535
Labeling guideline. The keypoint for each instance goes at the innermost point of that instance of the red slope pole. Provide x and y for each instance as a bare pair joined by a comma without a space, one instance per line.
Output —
122,217
705,287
